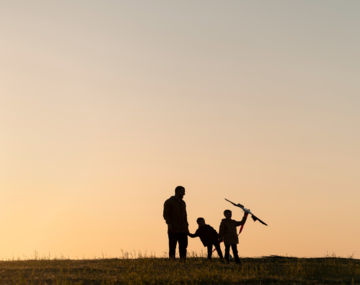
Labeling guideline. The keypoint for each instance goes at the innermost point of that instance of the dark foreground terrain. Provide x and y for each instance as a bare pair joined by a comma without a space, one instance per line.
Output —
267,270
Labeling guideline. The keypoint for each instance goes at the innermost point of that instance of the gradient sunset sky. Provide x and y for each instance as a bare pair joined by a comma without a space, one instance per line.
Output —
107,106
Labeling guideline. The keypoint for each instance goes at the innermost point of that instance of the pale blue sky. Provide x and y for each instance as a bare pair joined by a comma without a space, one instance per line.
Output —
105,105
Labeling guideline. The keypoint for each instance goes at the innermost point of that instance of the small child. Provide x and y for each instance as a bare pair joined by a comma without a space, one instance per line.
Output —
208,237
228,234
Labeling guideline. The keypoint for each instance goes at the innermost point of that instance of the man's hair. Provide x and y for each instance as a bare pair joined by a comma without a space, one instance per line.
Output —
200,219
227,211
179,189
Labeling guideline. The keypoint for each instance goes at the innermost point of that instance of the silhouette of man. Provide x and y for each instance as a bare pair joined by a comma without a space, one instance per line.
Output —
176,219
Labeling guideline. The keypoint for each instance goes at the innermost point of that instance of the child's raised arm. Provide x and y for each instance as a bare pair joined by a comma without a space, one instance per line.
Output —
243,219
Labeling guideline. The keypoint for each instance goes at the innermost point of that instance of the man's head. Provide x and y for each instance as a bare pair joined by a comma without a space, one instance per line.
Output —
179,192
227,214
200,221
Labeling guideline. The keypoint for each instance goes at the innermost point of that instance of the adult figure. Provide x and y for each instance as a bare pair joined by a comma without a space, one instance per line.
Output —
176,219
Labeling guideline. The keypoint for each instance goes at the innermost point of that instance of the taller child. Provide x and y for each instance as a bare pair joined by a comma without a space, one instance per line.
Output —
228,234
176,219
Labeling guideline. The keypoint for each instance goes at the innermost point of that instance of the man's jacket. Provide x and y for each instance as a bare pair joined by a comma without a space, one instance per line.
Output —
175,215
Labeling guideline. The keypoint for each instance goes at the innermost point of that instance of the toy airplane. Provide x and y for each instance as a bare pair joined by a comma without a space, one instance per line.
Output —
247,211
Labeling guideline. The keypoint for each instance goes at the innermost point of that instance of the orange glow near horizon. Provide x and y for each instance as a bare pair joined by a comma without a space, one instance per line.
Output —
106,107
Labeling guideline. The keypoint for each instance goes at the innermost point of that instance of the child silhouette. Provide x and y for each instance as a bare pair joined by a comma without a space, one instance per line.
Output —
208,237
228,234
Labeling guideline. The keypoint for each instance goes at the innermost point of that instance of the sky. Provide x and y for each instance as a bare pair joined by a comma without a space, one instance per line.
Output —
107,106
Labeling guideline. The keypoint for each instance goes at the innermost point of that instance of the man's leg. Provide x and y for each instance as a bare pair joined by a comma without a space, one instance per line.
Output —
235,252
209,250
183,243
218,249
172,245
227,252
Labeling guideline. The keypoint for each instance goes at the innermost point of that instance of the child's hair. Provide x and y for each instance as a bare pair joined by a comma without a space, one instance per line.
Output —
227,211
200,219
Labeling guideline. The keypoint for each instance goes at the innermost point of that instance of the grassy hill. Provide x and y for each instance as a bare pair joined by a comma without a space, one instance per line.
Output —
267,270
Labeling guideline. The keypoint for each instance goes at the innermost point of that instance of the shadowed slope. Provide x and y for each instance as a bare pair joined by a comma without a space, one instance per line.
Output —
267,270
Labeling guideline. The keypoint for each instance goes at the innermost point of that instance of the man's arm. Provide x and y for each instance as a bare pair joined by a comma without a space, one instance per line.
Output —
166,212
186,217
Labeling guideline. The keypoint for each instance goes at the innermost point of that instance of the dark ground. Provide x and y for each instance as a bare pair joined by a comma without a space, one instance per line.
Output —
267,270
